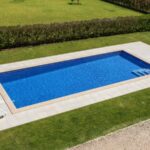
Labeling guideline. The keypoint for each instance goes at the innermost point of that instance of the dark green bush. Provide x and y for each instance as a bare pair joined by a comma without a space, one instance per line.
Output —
141,5
16,36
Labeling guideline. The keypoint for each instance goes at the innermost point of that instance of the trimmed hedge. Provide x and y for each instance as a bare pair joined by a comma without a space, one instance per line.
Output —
16,36
140,5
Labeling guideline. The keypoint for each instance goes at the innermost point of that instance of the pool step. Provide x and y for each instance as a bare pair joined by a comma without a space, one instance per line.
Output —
141,72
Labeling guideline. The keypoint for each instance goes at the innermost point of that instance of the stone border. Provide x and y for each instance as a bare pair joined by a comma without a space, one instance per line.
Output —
138,49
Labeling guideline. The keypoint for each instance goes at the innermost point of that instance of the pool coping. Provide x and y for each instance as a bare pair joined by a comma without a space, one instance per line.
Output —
128,48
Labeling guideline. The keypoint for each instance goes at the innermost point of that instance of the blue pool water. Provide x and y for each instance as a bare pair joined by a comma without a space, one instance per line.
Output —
38,84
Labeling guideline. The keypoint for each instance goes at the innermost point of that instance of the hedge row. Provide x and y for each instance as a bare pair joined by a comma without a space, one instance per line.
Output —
16,36
141,5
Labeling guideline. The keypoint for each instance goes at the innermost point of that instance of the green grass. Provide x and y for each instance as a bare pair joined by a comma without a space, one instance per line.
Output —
75,127
13,12
66,47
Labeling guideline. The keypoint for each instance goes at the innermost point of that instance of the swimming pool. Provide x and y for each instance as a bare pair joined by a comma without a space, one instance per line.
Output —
34,85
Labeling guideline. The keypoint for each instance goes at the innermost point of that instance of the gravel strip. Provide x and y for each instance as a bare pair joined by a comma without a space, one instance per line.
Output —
136,137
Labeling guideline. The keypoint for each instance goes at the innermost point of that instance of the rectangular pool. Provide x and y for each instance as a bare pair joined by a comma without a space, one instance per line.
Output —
38,84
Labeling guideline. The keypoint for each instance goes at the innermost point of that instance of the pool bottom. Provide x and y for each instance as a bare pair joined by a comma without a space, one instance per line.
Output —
131,58
82,96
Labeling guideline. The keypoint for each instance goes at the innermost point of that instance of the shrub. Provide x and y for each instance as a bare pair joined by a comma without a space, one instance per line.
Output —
141,5
15,36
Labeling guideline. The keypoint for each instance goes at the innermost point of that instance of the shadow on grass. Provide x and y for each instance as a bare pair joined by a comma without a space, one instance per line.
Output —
17,1
71,3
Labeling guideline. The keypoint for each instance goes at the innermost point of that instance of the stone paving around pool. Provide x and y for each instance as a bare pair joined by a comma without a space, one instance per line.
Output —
16,117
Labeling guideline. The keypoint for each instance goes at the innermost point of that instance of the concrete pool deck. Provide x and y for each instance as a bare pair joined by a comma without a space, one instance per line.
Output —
24,115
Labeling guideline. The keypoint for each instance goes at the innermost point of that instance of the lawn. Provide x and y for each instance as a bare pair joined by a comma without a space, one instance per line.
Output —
14,12
74,127
66,47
